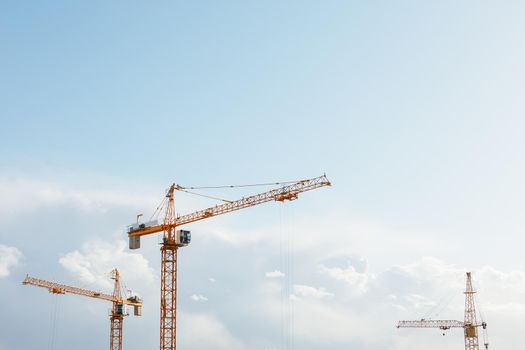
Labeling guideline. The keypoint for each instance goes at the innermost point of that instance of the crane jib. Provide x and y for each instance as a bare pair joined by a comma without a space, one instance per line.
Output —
281,194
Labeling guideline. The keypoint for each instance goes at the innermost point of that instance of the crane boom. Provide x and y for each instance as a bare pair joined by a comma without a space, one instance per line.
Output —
57,288
441,324
289,192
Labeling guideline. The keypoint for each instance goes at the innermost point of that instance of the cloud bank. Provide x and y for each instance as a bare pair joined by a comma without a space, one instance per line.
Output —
92,263
9,258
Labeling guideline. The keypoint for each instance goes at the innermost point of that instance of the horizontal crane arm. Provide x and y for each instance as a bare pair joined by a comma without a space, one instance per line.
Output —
282,194
58,288
441,324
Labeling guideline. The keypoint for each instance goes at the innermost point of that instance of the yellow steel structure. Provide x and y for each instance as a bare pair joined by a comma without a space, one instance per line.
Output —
173,240
470,324
117,312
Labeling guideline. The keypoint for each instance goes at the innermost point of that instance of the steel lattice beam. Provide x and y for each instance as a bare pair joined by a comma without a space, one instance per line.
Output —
441,324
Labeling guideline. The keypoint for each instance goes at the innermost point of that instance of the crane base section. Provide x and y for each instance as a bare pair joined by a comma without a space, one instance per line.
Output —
115,336
168,300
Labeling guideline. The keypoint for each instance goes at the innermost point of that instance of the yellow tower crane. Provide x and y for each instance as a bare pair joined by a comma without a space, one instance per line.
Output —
174,239
470,324
118,310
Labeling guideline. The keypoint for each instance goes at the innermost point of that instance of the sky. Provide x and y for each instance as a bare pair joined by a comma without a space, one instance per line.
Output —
413,109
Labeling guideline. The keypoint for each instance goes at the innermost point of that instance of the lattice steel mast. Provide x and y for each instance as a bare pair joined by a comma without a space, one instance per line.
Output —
471,331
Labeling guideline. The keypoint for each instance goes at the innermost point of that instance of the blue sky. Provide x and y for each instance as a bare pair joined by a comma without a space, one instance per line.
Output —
413,109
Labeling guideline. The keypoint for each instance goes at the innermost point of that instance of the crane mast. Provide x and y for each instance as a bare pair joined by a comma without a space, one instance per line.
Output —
168,287
470,324
174,239
117,311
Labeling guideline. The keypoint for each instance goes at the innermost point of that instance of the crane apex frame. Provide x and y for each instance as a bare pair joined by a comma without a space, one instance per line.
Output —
174,239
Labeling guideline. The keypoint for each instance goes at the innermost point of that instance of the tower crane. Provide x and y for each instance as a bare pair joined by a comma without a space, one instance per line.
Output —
174,239
118,311
470,324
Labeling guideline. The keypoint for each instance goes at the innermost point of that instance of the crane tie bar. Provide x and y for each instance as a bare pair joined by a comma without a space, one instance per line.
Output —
180,188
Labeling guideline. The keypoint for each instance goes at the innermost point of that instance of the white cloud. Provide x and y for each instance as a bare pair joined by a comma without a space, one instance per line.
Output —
358,281
307,291
338,234
15,192
92,263
354,297
418,301
204,332
232,236
9,257
198,297
428,287
318,323
274,274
